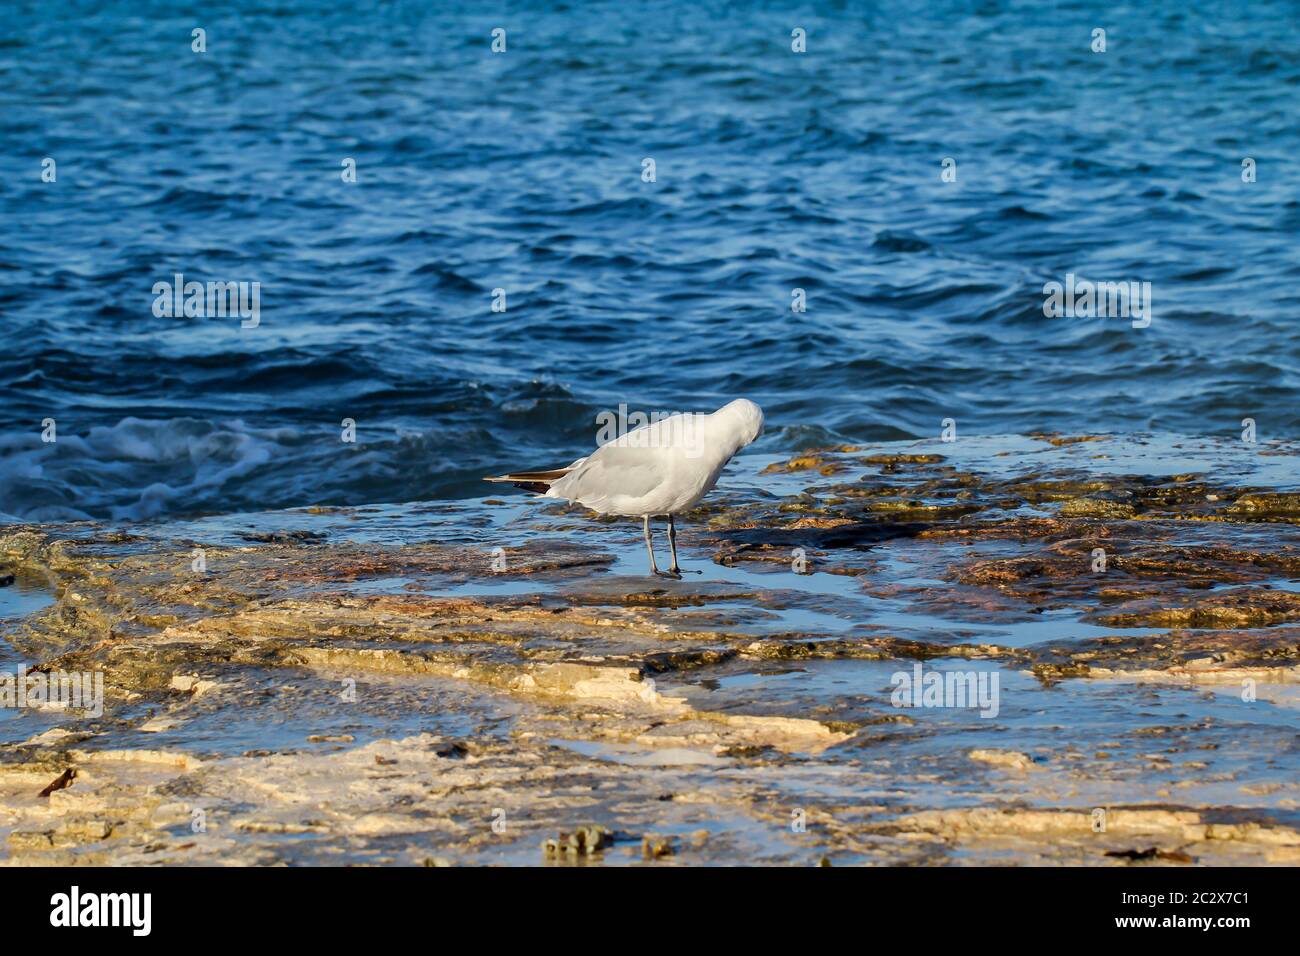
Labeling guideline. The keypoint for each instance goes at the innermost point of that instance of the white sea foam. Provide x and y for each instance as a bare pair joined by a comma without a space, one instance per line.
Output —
135,469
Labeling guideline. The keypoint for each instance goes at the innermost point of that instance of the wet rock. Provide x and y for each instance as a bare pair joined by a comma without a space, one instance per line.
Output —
1058,440
1236,608
283,537
1277,504
1098,508
655,847
1008,759
806,463
473,712
902,459
585,841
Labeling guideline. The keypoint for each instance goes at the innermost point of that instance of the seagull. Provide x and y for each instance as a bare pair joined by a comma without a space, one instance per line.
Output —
660,469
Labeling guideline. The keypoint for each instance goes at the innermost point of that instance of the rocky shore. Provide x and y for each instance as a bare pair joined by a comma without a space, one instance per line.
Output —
497,681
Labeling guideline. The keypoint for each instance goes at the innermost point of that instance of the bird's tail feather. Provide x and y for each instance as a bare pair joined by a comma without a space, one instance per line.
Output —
537,481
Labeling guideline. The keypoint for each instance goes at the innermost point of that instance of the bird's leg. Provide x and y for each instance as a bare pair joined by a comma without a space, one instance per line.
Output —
649,546
672,546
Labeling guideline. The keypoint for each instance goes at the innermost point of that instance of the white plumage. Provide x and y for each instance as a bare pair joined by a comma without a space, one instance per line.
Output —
662,468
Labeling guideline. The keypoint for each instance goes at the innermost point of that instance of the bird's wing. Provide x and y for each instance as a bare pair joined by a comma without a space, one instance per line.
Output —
612,475
682,430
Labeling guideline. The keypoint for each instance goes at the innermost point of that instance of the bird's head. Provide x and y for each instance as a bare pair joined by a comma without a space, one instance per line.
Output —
744,418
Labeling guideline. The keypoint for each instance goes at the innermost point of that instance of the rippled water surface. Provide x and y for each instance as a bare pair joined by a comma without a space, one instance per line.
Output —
522,171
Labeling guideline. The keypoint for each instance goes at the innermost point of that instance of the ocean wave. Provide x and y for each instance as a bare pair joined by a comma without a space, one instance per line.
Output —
132,470
775,172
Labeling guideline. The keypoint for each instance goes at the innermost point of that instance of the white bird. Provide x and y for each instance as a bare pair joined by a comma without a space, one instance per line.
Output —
662,468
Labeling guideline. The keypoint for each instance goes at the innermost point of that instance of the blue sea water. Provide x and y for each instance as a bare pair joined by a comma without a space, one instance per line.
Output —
522,171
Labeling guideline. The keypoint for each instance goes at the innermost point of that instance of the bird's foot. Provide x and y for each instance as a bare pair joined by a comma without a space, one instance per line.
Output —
675,575
681,571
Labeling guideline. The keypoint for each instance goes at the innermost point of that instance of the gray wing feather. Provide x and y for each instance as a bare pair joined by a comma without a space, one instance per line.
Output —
610,473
